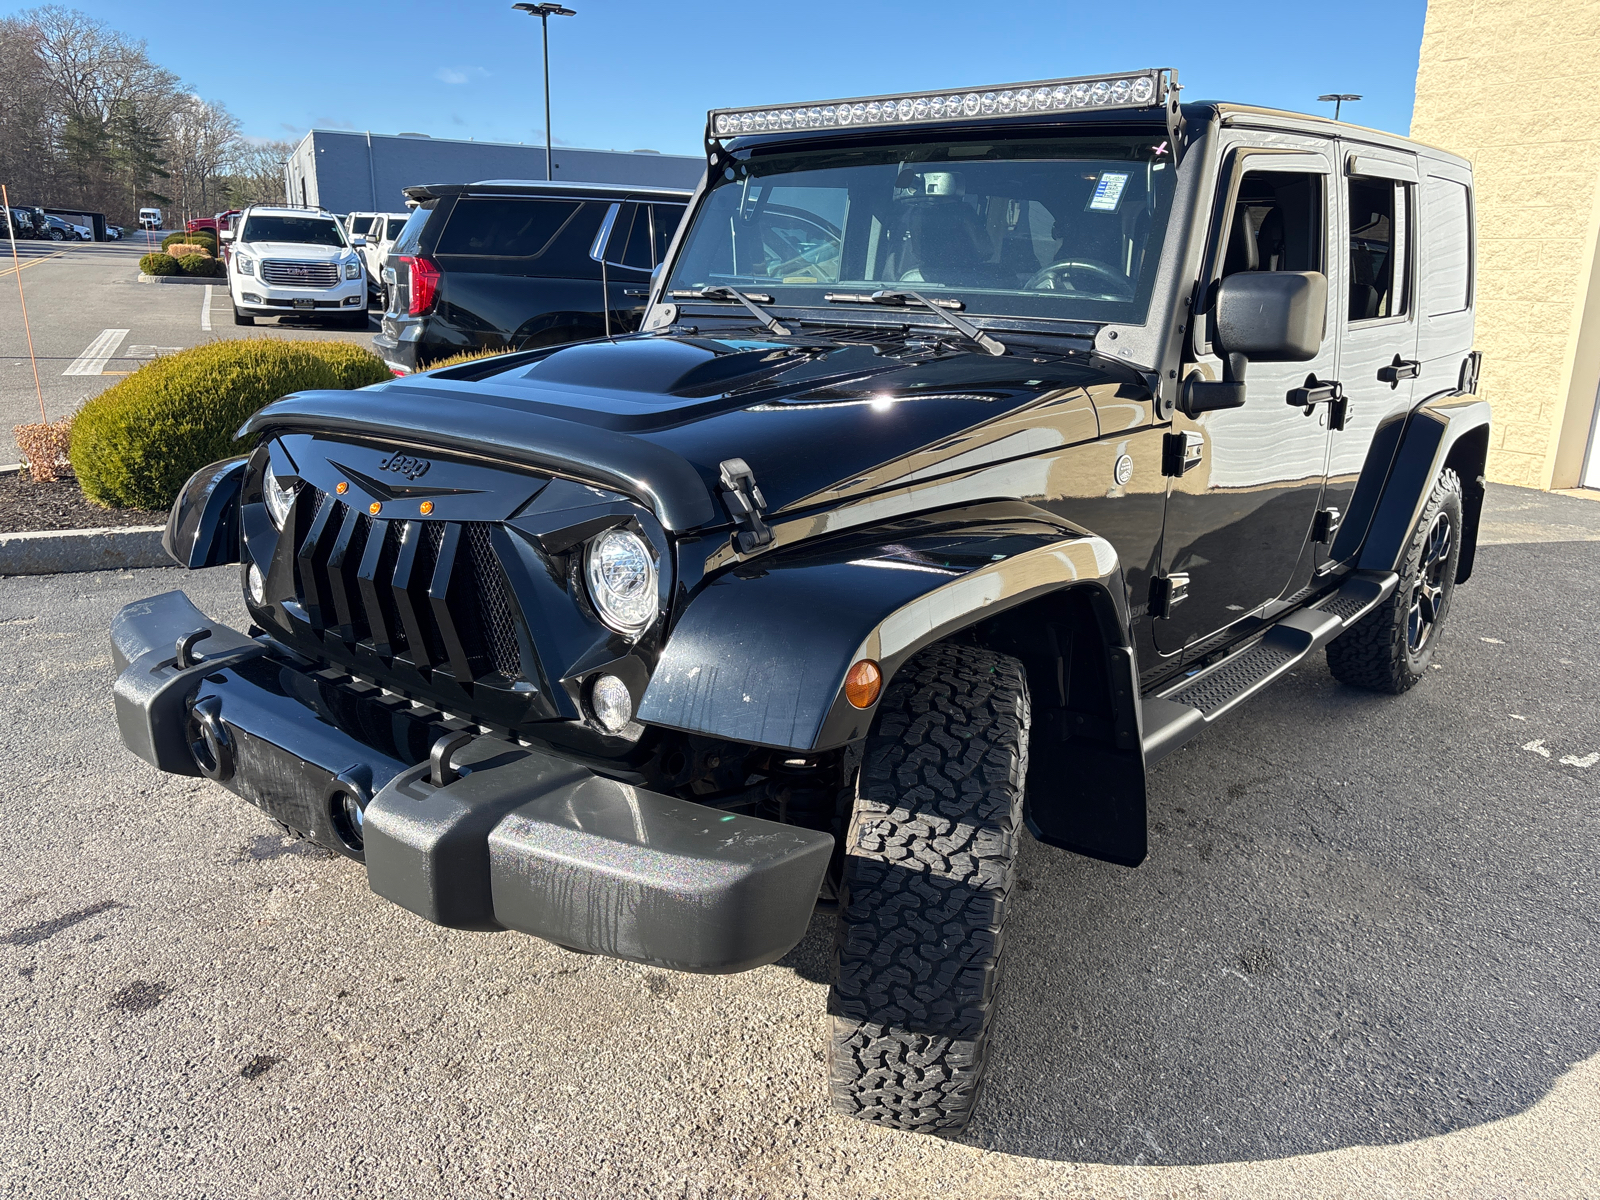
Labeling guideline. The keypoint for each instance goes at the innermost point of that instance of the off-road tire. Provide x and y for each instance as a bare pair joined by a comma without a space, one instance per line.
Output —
240,318
1377,654
930,861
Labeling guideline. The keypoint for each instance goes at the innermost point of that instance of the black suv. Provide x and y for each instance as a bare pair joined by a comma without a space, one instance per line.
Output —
980,448
507,265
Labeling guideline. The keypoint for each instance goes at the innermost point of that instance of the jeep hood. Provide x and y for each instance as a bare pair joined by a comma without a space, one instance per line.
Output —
655,414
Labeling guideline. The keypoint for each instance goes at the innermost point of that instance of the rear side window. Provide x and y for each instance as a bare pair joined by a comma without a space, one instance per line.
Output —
394,226
359,226
1447,247
1378,249
410,239
528,237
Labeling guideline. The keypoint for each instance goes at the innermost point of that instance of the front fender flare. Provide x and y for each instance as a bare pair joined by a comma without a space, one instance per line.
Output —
203,526
760,653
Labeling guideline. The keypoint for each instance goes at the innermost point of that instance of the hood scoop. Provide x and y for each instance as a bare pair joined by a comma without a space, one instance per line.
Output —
690,368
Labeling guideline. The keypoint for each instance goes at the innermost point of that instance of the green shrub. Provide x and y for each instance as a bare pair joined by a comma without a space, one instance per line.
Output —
135,444
159,264
201,264
466,356
355,366
200,237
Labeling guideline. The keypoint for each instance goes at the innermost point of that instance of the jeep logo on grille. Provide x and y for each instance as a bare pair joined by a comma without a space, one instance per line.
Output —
404,464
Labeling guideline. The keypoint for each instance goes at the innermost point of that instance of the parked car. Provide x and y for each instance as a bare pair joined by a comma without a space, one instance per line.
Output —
59,229
150,218
114,233
978,451
357,224
295,261
21,223
382,232
508,264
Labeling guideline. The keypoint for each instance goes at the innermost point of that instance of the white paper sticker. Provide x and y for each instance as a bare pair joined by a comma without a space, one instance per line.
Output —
1108,191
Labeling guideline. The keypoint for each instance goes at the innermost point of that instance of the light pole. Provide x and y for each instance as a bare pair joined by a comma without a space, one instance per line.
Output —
1338,99
544,12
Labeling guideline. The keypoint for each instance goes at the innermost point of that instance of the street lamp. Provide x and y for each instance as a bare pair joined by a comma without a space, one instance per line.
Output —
544,12
1338,98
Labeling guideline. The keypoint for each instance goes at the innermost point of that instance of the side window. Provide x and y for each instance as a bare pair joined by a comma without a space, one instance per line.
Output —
1276,223
636,250
545,238
1447,247
1379,249
666,218
410,239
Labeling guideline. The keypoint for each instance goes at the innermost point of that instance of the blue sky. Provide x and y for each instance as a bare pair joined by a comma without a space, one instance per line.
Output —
626,75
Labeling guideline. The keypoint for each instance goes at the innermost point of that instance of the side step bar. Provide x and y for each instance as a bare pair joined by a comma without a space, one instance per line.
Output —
1180,713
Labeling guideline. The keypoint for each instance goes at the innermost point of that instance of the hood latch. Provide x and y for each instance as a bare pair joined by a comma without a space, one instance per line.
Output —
746,505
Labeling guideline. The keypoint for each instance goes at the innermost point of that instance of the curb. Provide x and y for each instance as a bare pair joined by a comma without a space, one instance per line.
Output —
189,279
58,551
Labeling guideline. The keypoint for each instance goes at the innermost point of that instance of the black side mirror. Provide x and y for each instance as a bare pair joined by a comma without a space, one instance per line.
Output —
1271,316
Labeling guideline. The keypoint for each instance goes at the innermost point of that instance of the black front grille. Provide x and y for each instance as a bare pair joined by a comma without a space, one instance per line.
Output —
427,595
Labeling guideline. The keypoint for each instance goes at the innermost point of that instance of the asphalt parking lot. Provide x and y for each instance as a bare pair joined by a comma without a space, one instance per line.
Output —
93,322
1360,961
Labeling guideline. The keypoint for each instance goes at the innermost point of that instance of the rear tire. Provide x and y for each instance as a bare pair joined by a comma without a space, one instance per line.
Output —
930,859
1390,648
240,318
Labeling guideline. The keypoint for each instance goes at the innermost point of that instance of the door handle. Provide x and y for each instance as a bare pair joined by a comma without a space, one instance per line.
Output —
1400,368
1315,392
635,291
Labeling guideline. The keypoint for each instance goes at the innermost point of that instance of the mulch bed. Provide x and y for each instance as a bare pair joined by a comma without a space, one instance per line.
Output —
26,505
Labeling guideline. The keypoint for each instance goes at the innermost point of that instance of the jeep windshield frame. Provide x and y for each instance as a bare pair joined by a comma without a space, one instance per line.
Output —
973,219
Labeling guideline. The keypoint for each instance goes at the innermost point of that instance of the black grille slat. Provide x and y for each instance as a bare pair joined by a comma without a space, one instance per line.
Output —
413,565
440,594
343,562
373,573
312,561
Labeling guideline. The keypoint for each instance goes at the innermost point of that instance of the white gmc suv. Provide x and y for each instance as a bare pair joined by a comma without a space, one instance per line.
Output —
295,262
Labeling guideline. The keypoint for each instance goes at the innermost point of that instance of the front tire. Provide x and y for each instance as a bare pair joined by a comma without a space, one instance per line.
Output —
1389,649
242,318
930,861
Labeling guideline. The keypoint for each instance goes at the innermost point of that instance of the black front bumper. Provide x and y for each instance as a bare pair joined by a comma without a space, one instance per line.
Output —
500,837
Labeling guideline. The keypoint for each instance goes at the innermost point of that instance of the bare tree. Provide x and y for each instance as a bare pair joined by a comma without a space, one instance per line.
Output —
203,139
256,173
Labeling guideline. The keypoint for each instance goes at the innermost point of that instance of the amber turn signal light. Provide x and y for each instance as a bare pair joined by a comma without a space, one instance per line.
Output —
374,508
342,487
426,507
862,683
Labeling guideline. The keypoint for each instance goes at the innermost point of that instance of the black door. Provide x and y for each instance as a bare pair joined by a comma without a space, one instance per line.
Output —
1238,523
636,240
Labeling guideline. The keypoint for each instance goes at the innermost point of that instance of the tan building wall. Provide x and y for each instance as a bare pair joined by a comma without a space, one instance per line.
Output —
1509,84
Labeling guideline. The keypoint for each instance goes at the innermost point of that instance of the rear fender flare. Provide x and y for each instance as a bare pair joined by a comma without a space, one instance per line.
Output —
1450,430
759,654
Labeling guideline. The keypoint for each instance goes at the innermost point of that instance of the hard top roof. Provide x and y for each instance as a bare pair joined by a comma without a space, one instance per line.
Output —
544,187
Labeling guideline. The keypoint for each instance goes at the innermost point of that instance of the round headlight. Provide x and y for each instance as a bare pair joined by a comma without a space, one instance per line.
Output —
622,581
279,499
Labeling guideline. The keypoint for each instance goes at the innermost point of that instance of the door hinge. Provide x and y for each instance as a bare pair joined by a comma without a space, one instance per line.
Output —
1167,592
1180,453
746,505
1325,525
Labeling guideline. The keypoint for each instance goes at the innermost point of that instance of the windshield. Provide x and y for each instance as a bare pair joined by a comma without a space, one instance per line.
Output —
1053,227
315,231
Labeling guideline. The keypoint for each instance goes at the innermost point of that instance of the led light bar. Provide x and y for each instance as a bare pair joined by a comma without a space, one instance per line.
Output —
1133,89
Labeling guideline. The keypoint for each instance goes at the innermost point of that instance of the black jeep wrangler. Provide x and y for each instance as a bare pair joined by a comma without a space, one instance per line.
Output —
979,449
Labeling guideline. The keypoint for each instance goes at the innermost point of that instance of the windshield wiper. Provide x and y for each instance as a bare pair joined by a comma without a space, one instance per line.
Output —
898,299
728,293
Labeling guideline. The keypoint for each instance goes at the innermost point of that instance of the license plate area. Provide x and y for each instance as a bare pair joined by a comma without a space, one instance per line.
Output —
305,303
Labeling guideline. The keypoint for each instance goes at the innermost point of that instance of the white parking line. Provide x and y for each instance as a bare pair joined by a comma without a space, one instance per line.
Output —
101,351
205,311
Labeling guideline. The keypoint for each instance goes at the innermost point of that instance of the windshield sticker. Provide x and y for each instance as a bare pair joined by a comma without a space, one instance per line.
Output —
1108,192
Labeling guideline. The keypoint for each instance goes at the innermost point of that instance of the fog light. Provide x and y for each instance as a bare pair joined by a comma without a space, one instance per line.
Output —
862,683
257,583
612,703
252,298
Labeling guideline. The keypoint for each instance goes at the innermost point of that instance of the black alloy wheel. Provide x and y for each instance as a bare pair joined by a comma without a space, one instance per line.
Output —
1429,596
